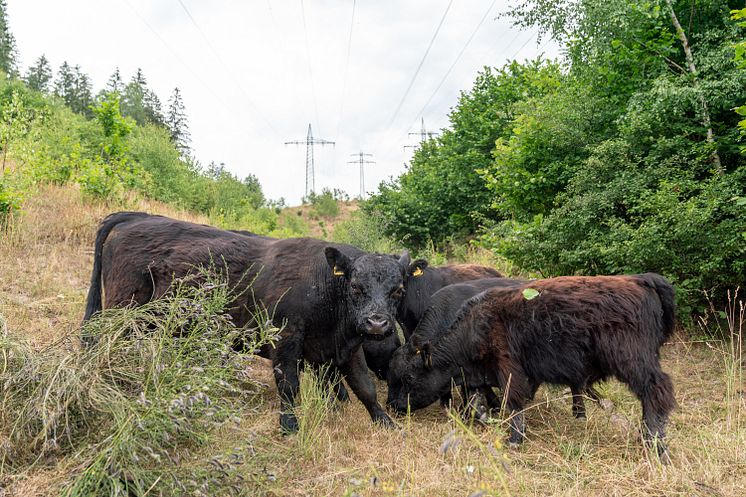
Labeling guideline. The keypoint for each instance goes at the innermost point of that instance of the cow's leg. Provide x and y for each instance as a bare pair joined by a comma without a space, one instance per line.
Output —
592,393
493,401
286,363
578,405
517,422
331,379
655,390
356,374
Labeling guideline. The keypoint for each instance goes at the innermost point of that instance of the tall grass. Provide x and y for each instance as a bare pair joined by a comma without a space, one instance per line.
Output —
158,379
316,399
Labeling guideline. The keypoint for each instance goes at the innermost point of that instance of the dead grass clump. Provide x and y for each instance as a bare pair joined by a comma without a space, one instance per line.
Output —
157,380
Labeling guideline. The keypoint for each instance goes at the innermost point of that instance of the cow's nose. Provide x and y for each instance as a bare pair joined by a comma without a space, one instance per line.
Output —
378,322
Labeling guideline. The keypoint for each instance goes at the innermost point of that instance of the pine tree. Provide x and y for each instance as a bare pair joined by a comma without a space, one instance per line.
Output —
153,108
39,75
64,86
8,52
83,98
176,121
115,84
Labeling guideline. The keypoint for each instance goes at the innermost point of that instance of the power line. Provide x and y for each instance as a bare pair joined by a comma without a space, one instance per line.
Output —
362,161
309,142
458,57
226,68
422,62
522,46
308,59
174,53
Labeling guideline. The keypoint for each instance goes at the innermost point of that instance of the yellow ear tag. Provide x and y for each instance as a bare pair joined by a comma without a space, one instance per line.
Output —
417,272
338,272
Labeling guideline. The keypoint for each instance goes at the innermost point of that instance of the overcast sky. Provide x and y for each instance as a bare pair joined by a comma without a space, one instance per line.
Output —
255,73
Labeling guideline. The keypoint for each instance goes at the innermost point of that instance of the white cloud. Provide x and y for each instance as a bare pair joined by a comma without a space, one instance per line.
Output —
242,109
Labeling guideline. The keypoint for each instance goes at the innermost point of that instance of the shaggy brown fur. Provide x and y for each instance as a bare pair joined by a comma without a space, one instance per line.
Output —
578,330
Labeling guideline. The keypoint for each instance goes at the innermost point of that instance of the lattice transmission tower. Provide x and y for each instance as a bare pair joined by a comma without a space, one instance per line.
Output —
309,142
423,133
361,159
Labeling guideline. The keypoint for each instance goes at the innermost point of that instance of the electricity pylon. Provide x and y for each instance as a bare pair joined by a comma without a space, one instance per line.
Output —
309,142
362,161
423,133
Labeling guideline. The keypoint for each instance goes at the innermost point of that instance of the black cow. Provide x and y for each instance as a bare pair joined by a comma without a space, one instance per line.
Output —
423,281
377,352
330,297
444,307
578,330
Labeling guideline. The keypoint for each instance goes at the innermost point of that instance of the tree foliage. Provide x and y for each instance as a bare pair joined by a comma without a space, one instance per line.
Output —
176,122
8,51
39,76
623,158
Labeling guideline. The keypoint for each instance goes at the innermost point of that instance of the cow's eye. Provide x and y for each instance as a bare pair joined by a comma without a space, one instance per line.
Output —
357,289
398,293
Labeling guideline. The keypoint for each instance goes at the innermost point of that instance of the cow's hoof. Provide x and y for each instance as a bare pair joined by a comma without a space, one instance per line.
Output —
288,423
580,415
385,421
513,445
342,394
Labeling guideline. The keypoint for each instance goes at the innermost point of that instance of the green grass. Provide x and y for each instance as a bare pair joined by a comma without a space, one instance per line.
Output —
158,380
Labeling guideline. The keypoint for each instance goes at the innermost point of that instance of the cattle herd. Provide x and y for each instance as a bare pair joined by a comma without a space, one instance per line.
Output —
464,325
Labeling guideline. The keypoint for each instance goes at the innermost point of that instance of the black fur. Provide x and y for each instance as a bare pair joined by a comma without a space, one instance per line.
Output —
423,281
329,297
443,310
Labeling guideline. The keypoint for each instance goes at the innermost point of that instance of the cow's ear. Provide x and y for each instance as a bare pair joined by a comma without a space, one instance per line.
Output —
338,262
417,268
404,260
427,357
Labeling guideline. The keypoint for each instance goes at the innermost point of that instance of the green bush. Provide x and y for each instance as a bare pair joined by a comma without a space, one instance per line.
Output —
324,204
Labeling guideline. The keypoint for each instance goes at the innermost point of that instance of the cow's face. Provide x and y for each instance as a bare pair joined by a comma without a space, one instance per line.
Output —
374,286
412,382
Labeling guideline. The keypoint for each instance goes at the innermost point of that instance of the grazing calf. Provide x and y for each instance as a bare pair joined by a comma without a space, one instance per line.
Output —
423,281
577,330
328,298
443,310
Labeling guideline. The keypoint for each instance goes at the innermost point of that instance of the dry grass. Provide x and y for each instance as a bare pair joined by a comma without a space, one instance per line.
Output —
44,270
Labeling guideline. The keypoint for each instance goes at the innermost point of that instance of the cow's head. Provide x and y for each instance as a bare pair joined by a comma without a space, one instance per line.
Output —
413,382
374,286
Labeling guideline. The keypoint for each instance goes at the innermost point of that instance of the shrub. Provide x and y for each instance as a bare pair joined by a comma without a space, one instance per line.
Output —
158,378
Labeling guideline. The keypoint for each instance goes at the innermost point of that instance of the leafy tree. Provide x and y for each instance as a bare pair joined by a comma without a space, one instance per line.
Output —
176,121
8,51
443,194
116,127
740,57
39,76
660,185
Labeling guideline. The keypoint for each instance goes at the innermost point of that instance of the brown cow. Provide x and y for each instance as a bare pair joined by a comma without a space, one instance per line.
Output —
575,331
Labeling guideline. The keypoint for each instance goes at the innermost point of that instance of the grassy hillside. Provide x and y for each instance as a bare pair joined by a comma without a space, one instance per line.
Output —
45,262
